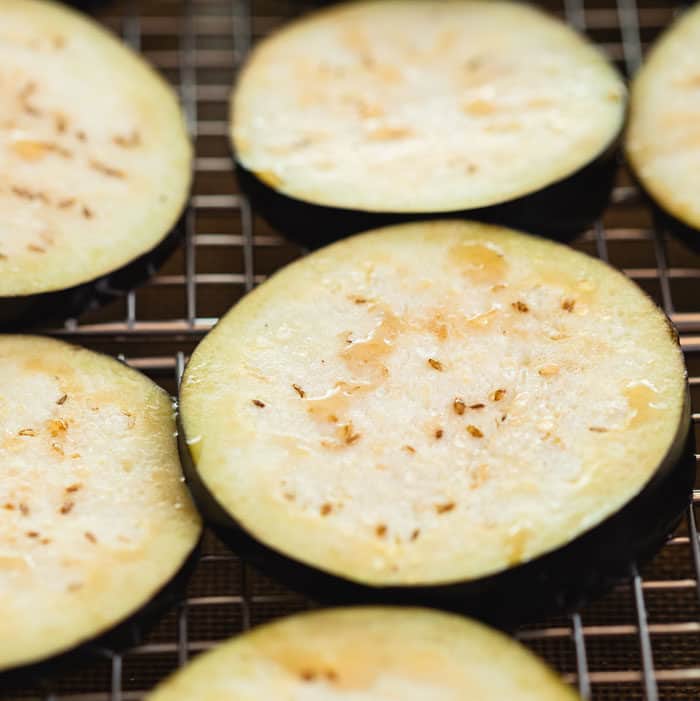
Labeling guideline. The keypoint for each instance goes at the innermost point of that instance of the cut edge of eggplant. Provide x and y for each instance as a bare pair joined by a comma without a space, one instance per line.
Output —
407,630
557,581
22,311
114,639
560,211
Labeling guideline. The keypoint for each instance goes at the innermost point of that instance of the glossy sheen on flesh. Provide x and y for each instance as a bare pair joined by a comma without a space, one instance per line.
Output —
423,106
94,156
663,142
94,516
433,402
368,654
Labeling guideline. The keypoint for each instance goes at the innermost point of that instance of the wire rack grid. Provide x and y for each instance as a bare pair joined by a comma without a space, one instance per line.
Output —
641,641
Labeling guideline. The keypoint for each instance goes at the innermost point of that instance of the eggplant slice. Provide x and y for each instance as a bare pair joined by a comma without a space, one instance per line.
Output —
445,413
95,161
663,141
368,113
97,525
369,654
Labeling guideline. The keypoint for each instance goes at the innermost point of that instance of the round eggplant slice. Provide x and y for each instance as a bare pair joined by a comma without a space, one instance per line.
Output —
663,141
97,529
369,654
94,161
445,413
372,112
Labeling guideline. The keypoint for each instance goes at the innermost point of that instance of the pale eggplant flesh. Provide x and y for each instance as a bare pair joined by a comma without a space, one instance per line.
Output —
370,653
447,414
371,113
663,139
95,163
99,533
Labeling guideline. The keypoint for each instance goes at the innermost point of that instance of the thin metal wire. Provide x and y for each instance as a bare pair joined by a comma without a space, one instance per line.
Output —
651,690
188,94
694,546
659,239
244,585
248,253
242,39
116,692
575,14
601,244
131,32
628,15
584,680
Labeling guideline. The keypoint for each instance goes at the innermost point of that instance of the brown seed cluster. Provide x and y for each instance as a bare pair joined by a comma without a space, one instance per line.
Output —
348,434
131,141
299,390
520,307
107,170
310,675
474,431
445,508
57,427
436,364
497,395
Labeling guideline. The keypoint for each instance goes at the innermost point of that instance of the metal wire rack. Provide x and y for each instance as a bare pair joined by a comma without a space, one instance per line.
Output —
642,641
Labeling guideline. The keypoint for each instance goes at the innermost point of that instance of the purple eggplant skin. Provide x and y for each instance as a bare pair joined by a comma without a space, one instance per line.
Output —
559,581
560,211
86,5
128,633
22,312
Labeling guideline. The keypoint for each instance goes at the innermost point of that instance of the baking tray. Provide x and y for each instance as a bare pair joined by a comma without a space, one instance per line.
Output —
642,641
